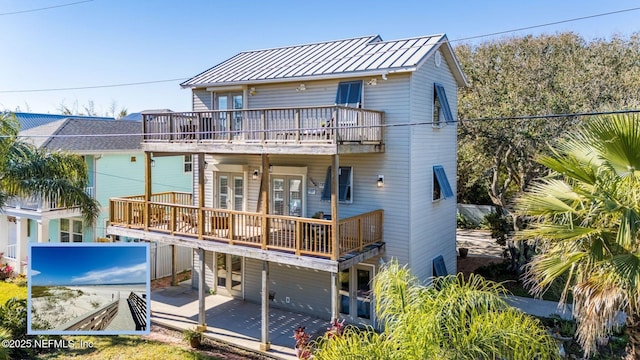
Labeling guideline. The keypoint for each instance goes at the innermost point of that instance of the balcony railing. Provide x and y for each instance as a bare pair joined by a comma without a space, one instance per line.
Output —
11,251
323,125
40,203
302,236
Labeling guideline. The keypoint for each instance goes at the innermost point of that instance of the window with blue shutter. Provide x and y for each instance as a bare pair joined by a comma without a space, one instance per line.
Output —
441,105
345,184
441,187
349,93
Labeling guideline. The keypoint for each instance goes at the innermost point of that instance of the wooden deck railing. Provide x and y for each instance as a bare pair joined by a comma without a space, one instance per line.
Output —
321,124
96,320
302,236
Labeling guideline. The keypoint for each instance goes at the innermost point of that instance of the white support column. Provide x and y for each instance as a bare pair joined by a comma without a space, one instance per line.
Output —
43,230
334,296
19,242
264,342
4,233
202,323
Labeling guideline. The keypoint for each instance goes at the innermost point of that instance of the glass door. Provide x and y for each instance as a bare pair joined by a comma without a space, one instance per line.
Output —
229,122
231,191
286,195
355,294
229,274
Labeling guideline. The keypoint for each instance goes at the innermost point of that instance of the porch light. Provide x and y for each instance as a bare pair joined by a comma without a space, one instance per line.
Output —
255,175
252,91
301,87
373,82
153,163
380,181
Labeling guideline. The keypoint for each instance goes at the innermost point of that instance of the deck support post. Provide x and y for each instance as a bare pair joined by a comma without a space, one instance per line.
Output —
334,296
264,339
200,200
147,188
202,323
335,182
265,201
174,265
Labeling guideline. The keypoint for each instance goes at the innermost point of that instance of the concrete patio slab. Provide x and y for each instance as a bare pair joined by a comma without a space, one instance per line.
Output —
231,320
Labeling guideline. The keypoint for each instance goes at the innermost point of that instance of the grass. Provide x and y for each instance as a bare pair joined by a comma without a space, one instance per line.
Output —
9,290
123,347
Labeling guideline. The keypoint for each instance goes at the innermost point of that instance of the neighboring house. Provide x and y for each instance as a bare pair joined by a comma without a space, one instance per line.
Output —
270,218
112,152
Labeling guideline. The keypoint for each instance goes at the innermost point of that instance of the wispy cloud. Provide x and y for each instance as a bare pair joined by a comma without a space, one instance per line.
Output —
131,274
34,272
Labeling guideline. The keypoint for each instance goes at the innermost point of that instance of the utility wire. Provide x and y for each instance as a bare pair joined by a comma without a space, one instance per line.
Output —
93,86
181,79
547,24
45,8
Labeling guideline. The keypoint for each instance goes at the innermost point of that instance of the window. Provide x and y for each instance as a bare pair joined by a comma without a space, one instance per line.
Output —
349,93
345,175
70,230
441,187
188,163
440,105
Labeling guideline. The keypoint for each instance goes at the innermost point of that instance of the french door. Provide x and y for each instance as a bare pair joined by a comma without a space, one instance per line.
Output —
287,195
230,121
231,191
355,293
229,274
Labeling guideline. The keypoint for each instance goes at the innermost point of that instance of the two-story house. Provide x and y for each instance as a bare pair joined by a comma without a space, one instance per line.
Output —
112,152
313,165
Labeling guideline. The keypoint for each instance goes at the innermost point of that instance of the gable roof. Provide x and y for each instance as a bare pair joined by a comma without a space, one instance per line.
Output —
361,56
31,120
86,136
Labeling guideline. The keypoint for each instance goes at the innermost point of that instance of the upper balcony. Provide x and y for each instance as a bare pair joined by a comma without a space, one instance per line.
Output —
310,130
42,204
172,214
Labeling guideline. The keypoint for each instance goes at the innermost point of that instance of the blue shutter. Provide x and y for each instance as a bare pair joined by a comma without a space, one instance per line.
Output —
344,184
326,191
441,176
444,103
439,267
349,93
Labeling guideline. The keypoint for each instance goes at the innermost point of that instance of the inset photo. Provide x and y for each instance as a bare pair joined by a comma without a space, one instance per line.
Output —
88,289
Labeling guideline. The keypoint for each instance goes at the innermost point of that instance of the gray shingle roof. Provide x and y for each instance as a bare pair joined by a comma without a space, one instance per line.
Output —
84,135
341,58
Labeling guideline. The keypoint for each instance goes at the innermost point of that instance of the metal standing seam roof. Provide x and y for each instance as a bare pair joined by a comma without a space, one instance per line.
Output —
85,135
31,120
350,56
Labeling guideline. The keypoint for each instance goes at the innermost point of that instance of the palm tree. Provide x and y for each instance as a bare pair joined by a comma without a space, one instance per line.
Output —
453,318
27,171
586,216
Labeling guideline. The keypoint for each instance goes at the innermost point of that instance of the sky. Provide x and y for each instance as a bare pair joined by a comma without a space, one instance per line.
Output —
88,264
90,43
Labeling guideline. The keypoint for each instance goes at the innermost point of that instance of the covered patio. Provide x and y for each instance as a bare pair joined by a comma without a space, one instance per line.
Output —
231,320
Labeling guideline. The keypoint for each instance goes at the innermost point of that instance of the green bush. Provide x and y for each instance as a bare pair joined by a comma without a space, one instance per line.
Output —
464,223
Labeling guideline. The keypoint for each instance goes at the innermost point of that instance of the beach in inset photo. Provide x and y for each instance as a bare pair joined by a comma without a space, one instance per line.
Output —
88,288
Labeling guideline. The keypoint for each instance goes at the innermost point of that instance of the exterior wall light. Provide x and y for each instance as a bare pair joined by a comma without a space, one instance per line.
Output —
252,91
255,175
301,87
380,181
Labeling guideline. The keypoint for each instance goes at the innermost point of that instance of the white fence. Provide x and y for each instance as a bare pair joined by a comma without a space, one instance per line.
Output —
11,251
161,259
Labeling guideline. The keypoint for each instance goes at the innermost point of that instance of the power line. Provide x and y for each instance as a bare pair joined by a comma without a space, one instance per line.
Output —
45,8
547,24
93,86
181,79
